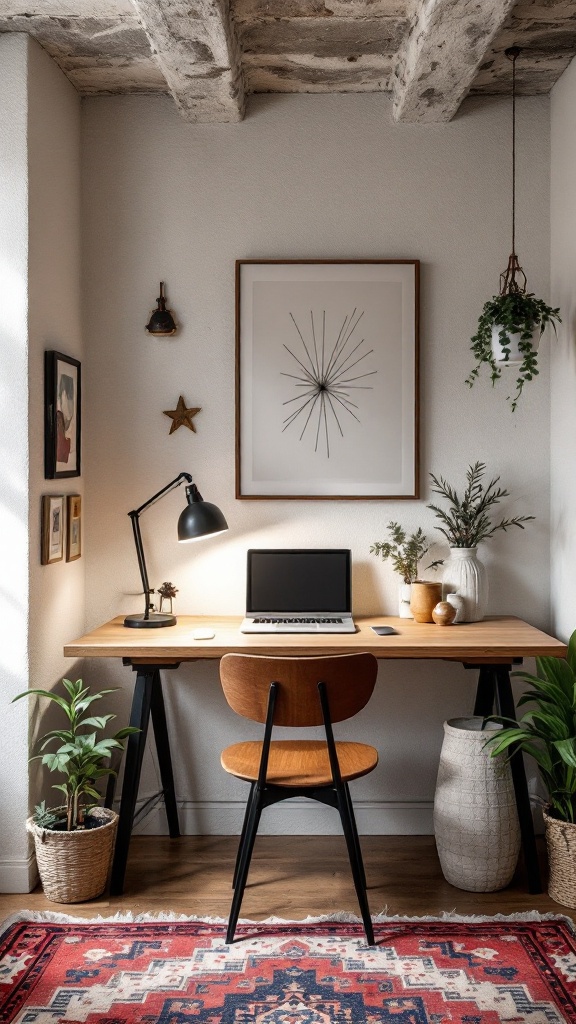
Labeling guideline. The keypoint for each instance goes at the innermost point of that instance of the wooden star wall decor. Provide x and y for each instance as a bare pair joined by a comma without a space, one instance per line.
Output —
181,416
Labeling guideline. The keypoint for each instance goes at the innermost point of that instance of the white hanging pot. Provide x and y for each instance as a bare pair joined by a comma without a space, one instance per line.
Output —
516,356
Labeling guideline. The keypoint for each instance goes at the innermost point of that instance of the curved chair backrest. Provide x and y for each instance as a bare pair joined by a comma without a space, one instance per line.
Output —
349,680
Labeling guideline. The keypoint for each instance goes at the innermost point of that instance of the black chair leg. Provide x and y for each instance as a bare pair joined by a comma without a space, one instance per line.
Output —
243,833
244,864
356,864
355,836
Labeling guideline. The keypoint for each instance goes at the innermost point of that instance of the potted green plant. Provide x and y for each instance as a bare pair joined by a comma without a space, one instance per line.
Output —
74,841
508,335
466,522
405,552
547,732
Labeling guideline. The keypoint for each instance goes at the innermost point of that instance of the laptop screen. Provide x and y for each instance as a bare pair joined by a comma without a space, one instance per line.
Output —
305,580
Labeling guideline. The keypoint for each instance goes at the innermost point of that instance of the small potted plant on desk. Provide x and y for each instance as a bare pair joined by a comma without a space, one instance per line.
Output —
74,842
465,523
546,732
405,552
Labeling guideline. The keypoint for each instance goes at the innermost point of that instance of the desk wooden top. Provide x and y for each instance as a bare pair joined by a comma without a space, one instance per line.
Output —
497,639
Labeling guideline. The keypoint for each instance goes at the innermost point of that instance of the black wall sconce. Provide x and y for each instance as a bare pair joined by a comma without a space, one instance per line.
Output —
161,322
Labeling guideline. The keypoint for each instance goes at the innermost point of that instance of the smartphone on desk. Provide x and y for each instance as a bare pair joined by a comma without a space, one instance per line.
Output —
384,630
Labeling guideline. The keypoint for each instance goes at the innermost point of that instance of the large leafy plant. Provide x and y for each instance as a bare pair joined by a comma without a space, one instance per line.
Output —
469,518
404,550
520,313
548,729
81,756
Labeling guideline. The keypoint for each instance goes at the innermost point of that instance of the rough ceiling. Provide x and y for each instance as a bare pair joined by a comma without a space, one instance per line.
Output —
210,54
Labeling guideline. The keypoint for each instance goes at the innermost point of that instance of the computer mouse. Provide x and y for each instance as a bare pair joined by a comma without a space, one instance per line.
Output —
383,630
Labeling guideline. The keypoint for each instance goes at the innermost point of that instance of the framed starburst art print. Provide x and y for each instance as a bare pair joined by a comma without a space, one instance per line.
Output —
327,378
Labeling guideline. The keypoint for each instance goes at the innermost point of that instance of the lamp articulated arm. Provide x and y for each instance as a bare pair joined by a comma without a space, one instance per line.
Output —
135,517
198,519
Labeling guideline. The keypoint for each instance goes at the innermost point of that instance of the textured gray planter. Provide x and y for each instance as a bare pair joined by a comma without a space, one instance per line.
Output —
475,817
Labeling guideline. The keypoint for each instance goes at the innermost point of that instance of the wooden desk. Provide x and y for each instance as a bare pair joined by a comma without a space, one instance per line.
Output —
491,646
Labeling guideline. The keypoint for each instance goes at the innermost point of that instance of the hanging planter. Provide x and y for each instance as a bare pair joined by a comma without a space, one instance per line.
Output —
508,335
512,323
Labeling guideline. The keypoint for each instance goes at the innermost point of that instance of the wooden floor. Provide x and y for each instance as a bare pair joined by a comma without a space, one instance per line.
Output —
291,877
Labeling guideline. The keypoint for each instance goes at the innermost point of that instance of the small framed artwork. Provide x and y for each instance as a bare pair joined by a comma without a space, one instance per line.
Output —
62,414
73,527
52,544
327,379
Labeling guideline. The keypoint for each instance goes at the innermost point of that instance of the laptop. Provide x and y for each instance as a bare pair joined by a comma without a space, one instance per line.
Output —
298,590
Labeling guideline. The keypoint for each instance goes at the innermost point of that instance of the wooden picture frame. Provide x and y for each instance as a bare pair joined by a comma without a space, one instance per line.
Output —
73,527
327,387
52,529
62,416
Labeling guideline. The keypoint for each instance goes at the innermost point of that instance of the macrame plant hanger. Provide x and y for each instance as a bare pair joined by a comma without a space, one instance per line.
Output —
513,280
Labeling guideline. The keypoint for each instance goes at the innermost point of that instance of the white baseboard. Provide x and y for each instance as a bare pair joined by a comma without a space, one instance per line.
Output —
297,817
18,875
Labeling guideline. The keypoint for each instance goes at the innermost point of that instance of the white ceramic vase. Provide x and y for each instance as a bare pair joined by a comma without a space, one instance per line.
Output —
404,601
457,603
466,575
516,356
475,817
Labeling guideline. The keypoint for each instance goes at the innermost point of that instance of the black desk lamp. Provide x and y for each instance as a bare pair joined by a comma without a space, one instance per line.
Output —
199,519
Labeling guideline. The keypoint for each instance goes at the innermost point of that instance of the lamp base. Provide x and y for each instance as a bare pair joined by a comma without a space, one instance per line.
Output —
155,621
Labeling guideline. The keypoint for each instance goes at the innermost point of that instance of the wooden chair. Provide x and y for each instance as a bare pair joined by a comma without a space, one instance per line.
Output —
298,692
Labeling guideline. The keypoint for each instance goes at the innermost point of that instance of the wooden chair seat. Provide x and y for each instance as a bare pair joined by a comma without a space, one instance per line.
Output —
298,693
298,762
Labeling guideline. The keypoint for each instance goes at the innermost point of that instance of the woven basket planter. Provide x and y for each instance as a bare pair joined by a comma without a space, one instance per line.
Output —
74,866
561,846
475,817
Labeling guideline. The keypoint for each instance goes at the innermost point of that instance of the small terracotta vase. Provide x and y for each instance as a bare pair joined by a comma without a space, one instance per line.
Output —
424,596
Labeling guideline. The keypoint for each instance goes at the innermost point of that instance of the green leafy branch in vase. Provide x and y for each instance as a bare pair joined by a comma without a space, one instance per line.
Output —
468,520
405,551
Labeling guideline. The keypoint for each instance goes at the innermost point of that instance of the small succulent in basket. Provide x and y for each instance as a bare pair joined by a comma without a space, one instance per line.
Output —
404,551
81,756
468,520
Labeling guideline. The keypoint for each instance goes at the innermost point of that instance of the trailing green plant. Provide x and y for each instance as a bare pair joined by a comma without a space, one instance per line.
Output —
404,551
517,312
81,756
548,729
468,519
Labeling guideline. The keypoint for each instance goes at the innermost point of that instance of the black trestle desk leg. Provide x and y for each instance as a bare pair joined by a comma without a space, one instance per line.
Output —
163,752
506,708
484,704
135,745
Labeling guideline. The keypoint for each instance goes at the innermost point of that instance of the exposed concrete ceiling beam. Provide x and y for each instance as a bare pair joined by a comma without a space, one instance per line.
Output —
196,47
441,55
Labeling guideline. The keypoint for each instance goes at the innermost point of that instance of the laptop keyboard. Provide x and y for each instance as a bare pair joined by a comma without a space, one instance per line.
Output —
305,622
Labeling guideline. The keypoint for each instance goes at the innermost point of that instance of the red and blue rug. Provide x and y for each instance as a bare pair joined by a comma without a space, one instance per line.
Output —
473,971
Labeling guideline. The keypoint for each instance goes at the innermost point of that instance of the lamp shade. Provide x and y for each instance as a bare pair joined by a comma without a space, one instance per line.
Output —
200,518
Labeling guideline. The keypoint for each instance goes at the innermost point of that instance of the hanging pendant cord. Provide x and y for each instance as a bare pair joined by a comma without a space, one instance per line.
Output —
514,56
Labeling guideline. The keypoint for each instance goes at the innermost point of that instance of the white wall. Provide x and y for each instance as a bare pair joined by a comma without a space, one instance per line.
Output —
14,866
563,375
303,176
39,271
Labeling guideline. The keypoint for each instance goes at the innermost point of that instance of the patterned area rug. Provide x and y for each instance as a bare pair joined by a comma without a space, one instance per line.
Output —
470,971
